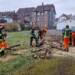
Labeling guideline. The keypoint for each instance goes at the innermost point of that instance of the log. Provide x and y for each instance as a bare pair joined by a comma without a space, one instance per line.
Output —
13,46
60,48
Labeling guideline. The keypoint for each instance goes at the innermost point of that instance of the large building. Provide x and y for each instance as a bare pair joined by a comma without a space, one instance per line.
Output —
44,15
6,19
40,16
9,16
25,15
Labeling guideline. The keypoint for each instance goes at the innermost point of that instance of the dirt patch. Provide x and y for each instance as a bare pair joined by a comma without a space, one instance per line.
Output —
7,58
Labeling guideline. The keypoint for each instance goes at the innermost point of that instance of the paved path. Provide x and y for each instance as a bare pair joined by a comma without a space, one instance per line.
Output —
63,53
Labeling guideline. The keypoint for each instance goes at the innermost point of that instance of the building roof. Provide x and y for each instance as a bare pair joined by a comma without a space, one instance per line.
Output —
45,8
25,11
8,13
41,8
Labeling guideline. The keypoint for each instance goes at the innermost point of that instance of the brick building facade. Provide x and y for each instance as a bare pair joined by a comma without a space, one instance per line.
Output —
44,15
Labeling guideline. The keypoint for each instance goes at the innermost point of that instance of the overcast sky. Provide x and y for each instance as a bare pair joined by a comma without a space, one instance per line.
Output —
62,6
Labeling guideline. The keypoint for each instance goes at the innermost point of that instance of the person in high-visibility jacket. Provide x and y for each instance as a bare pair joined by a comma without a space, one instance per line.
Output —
66,37
3,43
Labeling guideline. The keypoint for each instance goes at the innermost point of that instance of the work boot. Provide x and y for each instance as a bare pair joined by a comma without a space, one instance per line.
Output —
64,49
67,49
2,53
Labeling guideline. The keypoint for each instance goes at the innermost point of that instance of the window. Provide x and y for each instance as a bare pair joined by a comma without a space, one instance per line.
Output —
42,13
38,18
46,12
38,13
34,13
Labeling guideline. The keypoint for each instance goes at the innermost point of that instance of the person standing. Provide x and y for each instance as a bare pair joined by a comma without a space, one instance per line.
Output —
66,37
73,38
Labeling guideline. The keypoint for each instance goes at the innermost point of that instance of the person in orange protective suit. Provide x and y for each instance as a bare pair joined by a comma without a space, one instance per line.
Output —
3,43
66,37
73,38
42,34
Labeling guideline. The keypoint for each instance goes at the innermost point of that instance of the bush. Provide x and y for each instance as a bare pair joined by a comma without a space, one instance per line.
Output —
23,27
12,27
27,28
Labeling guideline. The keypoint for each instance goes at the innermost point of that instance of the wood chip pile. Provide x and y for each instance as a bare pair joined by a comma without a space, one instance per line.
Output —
51,43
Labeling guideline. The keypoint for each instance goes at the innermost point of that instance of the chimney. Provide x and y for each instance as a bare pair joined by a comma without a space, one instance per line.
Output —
42,4
42,7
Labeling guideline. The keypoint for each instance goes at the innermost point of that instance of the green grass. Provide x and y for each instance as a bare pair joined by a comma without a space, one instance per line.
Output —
15,37
54,66
26,65
8,68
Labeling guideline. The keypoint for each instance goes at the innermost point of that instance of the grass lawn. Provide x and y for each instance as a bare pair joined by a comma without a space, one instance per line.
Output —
15,37
26,65
29,66
54,66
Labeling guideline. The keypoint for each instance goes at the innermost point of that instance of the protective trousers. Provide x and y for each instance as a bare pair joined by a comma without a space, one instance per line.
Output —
66,42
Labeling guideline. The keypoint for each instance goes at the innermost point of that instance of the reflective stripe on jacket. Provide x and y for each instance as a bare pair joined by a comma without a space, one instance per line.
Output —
67,33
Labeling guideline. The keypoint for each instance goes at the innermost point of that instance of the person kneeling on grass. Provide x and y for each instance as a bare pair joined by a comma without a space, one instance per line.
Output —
42,34
3,43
